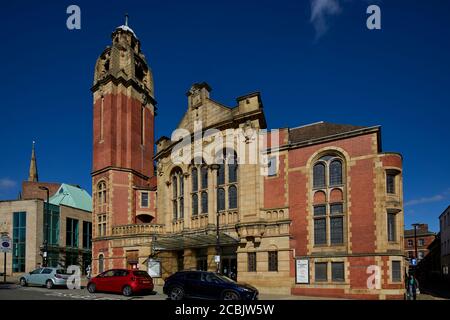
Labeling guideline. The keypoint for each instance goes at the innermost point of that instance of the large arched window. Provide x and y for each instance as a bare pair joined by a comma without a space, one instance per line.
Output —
232,197
194,175
199,189
177,194
227,180
204,179
101,193
221,175
329,201
194,204
319,175
220,199
335,173
204,202
100,263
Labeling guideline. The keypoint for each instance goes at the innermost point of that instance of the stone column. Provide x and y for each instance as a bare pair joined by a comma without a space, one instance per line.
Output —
190,262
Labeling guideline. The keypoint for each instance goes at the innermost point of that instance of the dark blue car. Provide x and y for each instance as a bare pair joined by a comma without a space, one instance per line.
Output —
207,285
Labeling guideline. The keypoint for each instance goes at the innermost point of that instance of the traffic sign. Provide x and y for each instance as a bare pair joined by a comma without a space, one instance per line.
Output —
5,244
414,262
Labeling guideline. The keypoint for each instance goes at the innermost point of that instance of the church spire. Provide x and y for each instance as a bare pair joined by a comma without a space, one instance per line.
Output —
33,175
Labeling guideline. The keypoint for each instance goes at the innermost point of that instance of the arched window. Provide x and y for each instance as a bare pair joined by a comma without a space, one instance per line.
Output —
335,173
181,202
199,190
232,197
221,175
220,199
174,186
100,263
232,168
194,204
319,175
101,193
178,194
204,202
204,174
329,209
194,174
227,180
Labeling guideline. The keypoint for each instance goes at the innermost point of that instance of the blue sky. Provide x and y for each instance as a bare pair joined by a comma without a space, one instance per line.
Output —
397,77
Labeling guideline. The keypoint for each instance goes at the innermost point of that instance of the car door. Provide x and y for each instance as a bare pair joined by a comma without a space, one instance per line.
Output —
193,284
33,278
108,281
102,280
211,286
45,275
119,280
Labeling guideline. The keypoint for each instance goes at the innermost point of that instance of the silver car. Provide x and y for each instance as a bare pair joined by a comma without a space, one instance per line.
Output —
48,277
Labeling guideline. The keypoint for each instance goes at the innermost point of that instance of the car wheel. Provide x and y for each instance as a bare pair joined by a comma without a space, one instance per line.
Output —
91,288
176,293
230,295
23,282
127,291
49,284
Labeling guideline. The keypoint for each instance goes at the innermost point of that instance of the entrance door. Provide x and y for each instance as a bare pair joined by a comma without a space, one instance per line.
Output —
229,267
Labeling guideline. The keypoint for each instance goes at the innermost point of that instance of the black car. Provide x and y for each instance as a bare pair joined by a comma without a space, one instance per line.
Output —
207,285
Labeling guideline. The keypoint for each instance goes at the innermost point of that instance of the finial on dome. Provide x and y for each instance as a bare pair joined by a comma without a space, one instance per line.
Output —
126,19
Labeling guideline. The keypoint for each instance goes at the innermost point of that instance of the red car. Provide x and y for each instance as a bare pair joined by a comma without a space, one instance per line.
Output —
122,281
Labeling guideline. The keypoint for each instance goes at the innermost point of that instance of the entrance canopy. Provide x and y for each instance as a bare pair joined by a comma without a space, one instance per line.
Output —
179,242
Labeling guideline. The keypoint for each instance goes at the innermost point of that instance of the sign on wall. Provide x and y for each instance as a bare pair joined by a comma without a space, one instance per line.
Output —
154,268
301,271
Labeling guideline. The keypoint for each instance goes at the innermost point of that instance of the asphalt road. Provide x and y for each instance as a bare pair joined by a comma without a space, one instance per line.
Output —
15,292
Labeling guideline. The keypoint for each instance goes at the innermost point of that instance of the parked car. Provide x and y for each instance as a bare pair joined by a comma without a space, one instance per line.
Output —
122,281
207,285
48,277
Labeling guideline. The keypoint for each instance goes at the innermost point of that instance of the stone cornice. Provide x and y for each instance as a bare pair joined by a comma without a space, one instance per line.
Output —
221,126
127,83
94,173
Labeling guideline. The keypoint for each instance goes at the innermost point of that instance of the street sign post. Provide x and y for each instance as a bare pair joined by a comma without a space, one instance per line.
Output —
5,247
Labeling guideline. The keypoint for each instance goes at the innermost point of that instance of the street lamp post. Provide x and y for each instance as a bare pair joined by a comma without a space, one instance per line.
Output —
46,214
215,167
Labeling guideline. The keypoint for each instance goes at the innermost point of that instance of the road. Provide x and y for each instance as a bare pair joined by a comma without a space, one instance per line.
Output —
15,292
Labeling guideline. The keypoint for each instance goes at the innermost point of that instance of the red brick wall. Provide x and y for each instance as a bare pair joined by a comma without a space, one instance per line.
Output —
275,187
362,196
121,146
361,192
30,190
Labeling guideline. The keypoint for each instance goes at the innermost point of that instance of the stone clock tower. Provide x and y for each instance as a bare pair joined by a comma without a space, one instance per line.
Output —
123,139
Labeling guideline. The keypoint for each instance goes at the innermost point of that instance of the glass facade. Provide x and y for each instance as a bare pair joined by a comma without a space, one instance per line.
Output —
52,221
71,233
87,235
19,237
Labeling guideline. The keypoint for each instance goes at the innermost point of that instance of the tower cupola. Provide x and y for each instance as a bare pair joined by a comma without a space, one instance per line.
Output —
123,61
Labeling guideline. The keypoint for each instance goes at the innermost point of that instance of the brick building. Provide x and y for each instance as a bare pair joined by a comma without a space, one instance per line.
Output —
444,223
424,238
65,225
316,214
